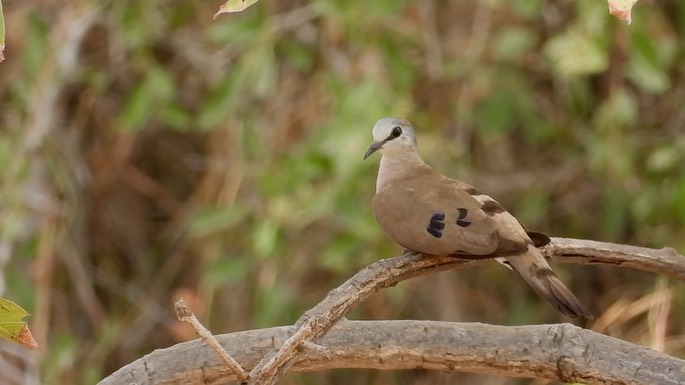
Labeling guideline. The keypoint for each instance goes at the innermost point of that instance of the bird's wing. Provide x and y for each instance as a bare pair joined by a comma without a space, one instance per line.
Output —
433,214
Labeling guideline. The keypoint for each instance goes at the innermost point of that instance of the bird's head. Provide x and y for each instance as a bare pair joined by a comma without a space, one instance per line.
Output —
392,136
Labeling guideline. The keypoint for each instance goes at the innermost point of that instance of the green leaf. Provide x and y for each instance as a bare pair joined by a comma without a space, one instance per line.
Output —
575,53
136,109
265,238
11,325
260,67
513,42
36,45
648,76
619,109
234,6
213,220
227,270
527,10
664,158
497,114
152,94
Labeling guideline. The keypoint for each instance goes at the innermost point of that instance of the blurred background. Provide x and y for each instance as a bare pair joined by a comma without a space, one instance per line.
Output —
150,153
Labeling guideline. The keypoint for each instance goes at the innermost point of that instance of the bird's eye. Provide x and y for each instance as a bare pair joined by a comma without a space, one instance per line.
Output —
397,131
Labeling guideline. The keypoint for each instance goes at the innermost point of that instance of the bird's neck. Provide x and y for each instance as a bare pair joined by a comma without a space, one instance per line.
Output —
397,166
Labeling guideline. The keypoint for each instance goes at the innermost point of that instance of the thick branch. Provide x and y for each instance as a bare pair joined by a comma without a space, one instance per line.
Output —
316,322
561,352
388,272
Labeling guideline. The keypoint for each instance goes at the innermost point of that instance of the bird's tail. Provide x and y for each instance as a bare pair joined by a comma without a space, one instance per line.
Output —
534,269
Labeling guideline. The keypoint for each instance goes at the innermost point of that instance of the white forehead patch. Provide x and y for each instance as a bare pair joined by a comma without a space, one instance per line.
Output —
383,128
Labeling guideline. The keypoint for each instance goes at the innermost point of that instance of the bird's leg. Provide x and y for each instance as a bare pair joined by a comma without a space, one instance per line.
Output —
474,257
410,253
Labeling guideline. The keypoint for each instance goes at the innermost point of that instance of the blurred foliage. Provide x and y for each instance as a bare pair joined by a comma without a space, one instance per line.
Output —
151,153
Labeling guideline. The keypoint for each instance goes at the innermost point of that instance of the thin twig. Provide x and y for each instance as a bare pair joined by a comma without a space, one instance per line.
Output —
664,261
185,315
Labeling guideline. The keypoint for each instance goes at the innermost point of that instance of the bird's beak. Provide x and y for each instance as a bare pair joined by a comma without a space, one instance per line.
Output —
375,146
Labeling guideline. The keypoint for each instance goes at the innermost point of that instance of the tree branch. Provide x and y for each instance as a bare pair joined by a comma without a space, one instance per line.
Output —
185,315
388,272
560,352
664,261
384,273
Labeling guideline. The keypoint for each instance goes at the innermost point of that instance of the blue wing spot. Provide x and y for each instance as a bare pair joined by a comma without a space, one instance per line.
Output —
434,232
436,225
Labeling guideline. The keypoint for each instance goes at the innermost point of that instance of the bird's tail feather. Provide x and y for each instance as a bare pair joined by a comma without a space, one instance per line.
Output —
549,287
535,270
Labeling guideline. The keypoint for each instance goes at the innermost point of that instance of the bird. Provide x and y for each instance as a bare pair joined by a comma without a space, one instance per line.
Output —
430,213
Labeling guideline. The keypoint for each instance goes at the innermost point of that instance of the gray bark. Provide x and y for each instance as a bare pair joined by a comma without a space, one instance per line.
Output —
560,352
563,352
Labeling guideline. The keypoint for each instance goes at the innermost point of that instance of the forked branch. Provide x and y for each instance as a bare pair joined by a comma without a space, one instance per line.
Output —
315,323
560,352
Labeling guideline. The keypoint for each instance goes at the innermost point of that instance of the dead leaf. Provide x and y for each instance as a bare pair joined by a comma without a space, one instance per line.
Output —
234,6
26,338
621,9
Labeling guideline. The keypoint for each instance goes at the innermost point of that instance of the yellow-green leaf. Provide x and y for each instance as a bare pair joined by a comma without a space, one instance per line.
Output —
574,52
234,6
2,34
11,325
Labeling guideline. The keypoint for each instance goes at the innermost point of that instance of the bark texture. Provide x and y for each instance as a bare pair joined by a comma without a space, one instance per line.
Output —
563,352
560,352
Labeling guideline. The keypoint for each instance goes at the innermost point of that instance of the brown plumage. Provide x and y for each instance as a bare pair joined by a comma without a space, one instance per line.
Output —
427,212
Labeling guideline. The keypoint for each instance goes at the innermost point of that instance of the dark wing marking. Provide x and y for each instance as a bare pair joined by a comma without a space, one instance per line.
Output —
436,225
460,219
471,190
491,208
539,239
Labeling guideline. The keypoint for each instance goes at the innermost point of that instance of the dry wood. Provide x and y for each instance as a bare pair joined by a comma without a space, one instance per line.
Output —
664,261
389,272
316,322
560,352
185,315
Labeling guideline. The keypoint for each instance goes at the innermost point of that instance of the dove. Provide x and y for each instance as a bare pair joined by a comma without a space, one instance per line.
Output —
427,212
